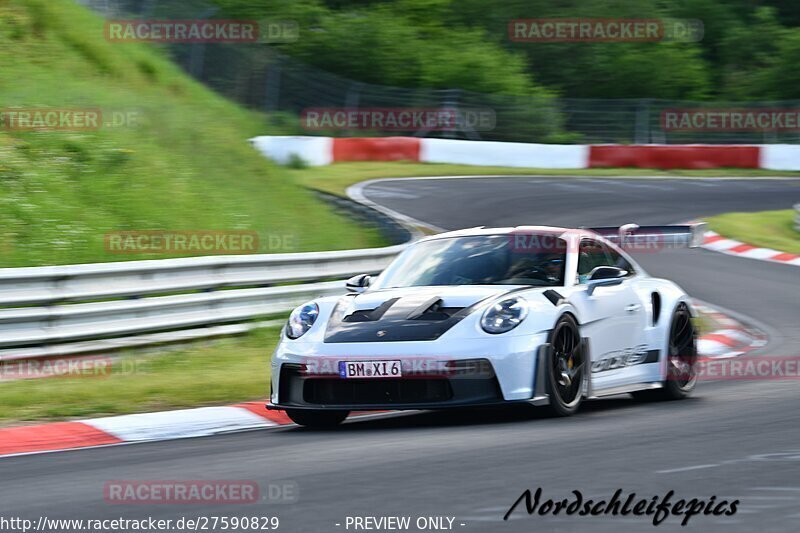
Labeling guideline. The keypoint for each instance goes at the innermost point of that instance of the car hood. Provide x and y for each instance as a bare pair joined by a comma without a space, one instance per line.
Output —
406,314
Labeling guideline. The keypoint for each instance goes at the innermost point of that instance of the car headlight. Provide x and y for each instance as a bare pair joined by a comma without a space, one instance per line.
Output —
301,320
504,315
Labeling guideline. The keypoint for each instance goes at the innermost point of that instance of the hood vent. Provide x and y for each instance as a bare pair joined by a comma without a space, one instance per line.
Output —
390,321
433,310
370,315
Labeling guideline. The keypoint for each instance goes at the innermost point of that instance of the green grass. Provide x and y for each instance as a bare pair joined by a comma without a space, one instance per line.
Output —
336,178
767,229
185,163
220,372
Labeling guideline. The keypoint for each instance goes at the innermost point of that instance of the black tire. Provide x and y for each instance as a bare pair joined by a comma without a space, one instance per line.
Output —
566,368
681,360
317,418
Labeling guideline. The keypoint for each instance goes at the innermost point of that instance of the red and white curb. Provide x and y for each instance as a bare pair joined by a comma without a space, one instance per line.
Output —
730,340
716,242
144,427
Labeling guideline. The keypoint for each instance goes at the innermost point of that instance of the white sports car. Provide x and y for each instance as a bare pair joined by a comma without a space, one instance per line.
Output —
534,314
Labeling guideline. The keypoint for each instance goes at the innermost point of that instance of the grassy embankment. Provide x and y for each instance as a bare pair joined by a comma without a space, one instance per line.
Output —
168,153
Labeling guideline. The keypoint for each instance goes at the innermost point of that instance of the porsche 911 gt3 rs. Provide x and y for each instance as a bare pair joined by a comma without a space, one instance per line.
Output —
543,315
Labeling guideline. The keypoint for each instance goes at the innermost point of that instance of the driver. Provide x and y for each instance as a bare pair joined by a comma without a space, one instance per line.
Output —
548,267
553,266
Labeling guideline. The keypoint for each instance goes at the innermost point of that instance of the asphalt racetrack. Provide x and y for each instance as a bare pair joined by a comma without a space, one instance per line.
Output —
732,440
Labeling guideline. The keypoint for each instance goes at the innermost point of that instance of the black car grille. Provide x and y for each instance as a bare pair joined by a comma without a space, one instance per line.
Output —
375,391
476,386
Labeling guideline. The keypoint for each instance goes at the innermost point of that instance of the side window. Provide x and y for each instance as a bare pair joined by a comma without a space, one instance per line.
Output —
591,254
620,262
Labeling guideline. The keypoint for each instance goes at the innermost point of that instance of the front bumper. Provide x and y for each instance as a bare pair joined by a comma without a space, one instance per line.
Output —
298,390
507,375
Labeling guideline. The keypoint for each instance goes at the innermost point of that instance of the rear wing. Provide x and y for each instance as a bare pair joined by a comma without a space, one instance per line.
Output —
634,236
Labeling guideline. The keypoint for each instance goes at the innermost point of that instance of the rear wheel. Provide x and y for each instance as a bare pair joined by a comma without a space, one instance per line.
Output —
317,418
566,369
681,360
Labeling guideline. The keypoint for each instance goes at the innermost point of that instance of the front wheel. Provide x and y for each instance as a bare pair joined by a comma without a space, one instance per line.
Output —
681,360
566,368
317,418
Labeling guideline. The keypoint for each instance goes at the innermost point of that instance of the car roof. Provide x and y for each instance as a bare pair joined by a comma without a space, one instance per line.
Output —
483,230
569,234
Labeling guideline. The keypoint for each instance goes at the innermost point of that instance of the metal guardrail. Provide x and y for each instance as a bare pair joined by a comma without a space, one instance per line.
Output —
76,303
73,283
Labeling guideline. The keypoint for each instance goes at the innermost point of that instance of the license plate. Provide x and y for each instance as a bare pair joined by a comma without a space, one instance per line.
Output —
370,369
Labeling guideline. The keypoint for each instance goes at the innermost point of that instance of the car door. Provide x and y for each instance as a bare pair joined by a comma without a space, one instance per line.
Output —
612,317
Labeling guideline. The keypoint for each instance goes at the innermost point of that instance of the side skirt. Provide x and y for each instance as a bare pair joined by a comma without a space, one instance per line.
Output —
633,387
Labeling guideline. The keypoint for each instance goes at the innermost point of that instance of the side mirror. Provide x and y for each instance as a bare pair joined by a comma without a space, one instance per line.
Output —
605,276
358,283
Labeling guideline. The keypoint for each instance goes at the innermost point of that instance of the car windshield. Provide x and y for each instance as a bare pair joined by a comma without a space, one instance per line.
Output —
536,259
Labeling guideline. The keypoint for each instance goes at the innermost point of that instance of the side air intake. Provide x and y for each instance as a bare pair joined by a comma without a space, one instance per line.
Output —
655,303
